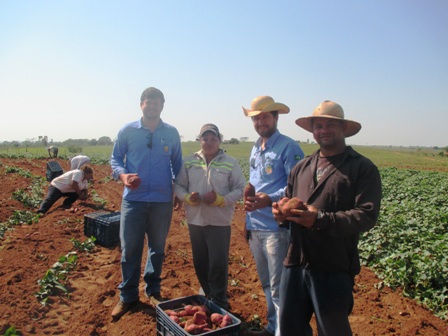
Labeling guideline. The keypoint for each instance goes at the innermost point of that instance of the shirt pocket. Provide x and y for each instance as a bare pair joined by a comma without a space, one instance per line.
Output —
164,149
220,180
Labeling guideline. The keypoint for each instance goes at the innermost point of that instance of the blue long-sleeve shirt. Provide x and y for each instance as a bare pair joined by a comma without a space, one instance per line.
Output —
269,171
156,166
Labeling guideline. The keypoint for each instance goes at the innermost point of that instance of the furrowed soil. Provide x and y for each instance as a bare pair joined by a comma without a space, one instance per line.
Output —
28,251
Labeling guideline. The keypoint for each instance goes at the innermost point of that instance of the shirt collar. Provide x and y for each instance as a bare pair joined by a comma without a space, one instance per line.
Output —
160,125
270,142
201,154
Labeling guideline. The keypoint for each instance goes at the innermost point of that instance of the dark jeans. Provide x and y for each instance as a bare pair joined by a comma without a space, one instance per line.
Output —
55,194
210,246
328,295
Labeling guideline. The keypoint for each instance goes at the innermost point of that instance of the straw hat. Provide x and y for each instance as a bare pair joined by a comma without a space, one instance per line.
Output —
330,110
264,104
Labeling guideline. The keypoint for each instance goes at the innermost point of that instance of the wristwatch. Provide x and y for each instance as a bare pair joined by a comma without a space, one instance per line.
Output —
320,214
316,226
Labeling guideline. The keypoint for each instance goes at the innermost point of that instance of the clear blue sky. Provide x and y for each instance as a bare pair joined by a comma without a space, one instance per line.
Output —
76,69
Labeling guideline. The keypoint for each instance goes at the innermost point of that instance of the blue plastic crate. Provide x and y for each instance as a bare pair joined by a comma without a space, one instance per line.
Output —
167,327
104,226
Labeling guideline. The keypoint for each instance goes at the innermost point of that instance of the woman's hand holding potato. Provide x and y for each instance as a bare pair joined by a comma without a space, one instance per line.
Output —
193,198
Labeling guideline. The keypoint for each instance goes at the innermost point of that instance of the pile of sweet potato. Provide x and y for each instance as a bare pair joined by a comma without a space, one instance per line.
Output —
197,319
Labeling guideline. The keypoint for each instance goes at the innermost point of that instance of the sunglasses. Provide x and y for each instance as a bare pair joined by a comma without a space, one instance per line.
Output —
255,160
149,144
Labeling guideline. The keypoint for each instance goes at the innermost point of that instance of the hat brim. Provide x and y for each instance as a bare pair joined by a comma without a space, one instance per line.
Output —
279,107
351,128
209,130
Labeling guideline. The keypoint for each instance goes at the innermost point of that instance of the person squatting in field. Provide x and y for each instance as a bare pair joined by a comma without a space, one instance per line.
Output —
71,185
271,159
210,182
340,192
146,157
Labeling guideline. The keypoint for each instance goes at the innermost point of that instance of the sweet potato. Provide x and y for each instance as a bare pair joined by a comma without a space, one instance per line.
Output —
171,312
134,181
197,319
195,329
293,203
183,322
194,196
204,309
226,321
209,197
249,191
186,323
183,313
200,318
216,318
190,310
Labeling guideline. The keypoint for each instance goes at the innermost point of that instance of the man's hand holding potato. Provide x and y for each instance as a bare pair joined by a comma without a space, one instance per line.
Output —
132,181
294,210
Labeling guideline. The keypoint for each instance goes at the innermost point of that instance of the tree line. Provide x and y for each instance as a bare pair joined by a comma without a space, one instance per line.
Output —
43,141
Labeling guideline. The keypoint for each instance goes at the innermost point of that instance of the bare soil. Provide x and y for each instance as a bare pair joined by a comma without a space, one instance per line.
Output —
27,252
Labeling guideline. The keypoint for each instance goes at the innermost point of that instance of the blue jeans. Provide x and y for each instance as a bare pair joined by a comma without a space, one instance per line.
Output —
269,250
327,295
140,219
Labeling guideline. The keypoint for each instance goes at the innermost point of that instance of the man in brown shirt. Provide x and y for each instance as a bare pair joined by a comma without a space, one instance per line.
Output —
341,190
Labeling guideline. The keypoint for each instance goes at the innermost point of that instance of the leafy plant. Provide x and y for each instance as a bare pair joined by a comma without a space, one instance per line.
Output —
87,245
20,171
408,248
12,331
56,277
97,199
255,323
107,179
19,217
32,196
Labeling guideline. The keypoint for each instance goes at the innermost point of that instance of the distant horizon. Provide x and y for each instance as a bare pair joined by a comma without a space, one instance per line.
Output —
70,71
35,143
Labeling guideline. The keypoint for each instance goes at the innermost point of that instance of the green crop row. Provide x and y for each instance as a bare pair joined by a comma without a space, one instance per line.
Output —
31,197
408,248
56,277
384,156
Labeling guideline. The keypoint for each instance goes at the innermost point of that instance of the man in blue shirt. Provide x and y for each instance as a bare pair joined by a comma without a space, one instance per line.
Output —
146,157
271,159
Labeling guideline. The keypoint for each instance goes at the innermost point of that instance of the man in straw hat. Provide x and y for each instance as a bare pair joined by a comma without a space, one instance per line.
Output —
341,192
272,158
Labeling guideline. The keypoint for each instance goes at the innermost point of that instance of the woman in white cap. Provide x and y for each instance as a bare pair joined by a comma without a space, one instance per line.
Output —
210,182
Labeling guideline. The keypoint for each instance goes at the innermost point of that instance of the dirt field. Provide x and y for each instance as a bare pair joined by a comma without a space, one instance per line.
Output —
27,252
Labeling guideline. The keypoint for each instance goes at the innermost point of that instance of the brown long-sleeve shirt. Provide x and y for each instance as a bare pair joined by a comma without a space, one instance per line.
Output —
349,196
